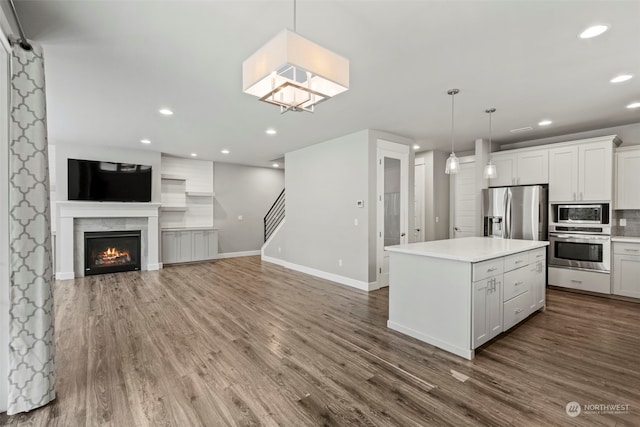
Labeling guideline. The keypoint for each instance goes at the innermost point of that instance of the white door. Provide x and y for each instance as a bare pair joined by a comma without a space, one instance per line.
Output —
418,199
464,201
393,202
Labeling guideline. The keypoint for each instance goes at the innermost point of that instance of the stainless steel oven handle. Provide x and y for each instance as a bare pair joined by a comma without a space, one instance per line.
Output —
579,236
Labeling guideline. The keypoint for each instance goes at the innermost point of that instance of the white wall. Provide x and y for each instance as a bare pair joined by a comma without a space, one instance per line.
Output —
63,152
247,192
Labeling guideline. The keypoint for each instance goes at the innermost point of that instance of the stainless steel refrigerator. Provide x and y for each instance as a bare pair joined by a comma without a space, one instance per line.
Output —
515,212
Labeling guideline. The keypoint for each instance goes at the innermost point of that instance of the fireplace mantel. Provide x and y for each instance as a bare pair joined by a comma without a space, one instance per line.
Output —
68,211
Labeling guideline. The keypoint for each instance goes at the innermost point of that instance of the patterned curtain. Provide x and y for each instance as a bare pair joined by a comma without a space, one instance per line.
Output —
31,341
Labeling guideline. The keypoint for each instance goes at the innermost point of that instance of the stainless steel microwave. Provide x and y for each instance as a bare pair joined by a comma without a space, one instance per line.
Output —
583,214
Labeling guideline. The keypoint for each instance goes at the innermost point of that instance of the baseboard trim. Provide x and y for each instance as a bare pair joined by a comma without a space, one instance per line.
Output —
348,281
65,275
238,254
273,234
152,267
458,351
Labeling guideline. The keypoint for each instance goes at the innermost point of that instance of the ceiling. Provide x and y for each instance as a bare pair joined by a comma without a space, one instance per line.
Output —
110,65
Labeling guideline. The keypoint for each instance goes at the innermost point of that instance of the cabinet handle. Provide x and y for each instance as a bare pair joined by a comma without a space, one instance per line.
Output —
576,281
518,283
518,311
492,269
632,250
539,255
519,261
581,195
574,196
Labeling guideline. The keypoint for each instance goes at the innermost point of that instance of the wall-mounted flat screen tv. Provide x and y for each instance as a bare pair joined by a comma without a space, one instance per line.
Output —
108,182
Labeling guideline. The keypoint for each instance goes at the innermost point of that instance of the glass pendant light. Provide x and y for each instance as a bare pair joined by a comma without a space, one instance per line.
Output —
453,164
490,171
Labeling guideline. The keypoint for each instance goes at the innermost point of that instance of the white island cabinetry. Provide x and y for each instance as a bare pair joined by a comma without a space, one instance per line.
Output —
458,294
626,266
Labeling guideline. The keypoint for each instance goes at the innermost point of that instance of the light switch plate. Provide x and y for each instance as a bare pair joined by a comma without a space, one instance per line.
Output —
623,222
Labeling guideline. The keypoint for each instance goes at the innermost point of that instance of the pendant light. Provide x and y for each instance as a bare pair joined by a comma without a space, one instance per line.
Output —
490,171
453,164
294,73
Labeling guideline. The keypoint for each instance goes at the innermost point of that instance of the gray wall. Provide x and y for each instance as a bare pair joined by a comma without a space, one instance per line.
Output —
629,134
243,191
323,183
436,197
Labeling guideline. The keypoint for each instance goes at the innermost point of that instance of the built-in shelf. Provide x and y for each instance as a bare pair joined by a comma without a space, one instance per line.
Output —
173,208
173,177
200,194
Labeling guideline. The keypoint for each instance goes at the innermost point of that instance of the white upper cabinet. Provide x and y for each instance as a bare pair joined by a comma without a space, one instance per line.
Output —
628,178
581,172
563,173
533,167
506,169
521,168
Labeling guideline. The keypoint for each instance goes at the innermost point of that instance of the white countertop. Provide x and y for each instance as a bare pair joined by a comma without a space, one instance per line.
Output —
189,228
627,239
469,249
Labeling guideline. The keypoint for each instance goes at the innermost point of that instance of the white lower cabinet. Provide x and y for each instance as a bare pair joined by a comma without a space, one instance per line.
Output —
626,269
487,302
189,245
509,290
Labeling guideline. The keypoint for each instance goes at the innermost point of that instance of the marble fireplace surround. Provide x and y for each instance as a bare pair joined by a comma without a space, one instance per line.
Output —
106,212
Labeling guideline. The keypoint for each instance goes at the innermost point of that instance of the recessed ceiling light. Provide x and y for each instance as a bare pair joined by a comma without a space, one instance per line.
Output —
194,154
621,78
225,151
416,147
271,131
165,112
544,123
634,105
145,141
524,129
275,165
593,31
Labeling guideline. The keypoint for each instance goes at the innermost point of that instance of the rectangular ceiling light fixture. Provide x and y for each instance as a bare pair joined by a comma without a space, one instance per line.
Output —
294,73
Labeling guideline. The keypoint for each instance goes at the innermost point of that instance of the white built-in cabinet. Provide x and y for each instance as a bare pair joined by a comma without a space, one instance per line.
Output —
626,269
582,171
189,245
627,178
521,167
506,291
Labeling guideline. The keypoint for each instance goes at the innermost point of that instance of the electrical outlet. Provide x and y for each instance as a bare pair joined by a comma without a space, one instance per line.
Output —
355,221
339,263
623,222
279,249
240,217
437,219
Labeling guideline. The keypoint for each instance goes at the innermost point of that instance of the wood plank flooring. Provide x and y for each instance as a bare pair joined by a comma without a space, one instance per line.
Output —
241,342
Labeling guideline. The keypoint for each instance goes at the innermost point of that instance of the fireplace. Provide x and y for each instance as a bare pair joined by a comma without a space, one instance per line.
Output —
111,251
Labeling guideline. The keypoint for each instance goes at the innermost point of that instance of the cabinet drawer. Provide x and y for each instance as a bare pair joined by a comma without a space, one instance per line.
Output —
516,310
582,280
482,270
623,248
515,283
537,255
514,261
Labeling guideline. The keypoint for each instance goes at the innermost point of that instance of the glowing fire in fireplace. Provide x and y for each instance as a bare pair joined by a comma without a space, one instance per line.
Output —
112,256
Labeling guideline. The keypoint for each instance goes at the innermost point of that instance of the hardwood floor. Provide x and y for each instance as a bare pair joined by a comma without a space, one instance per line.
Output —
241,342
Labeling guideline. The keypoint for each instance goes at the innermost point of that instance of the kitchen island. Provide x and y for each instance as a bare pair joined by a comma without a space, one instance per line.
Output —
458,294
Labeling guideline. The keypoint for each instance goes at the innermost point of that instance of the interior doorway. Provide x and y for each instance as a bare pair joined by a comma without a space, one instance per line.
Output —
392,202
463,200
419,202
